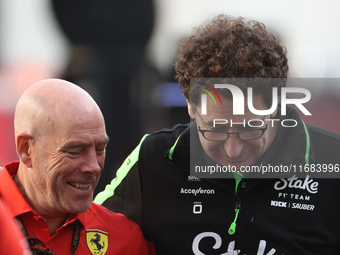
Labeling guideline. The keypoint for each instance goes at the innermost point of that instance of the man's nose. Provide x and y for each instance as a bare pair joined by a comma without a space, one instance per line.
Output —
91,164
233,146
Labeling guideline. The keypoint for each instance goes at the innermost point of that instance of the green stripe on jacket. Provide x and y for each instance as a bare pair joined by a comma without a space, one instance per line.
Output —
120,175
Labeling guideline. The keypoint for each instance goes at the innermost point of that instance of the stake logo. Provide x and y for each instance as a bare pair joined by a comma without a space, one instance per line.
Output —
238,99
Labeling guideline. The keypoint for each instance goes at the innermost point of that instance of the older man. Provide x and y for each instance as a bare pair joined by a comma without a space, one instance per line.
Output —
60,140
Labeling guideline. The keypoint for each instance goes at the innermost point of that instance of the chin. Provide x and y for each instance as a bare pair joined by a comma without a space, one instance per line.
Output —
81,209
79,206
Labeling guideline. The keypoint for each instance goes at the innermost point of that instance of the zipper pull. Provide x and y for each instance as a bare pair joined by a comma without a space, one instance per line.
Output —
232,227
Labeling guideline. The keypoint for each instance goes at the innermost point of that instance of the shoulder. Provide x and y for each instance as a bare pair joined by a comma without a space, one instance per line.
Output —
323,135
165,137
116,224
325,144
125,235
102,215
155,146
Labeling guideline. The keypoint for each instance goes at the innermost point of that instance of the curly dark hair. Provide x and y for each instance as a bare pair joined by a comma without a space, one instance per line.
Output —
228,47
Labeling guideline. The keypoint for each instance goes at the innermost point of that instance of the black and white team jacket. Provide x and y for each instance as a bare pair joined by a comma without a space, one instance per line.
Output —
181,214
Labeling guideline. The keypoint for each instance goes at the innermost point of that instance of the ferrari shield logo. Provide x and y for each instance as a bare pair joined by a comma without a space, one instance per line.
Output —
97,241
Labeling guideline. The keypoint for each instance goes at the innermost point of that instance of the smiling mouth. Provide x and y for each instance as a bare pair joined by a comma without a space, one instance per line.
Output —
81,186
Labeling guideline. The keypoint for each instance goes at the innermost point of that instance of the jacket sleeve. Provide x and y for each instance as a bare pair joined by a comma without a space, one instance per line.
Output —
123,194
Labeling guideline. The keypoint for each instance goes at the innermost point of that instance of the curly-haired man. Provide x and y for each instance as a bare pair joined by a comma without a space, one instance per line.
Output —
194,188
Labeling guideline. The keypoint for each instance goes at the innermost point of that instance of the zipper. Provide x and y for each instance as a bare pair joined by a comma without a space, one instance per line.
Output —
232,227
238,177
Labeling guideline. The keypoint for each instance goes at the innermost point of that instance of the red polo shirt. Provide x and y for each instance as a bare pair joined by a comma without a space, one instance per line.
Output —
102,231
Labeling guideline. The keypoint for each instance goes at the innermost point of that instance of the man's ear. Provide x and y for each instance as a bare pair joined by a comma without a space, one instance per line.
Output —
23,147
190,110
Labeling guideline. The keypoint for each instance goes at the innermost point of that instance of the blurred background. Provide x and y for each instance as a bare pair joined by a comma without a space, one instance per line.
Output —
122,52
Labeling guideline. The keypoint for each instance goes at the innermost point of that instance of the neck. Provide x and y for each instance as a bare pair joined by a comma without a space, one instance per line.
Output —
54,223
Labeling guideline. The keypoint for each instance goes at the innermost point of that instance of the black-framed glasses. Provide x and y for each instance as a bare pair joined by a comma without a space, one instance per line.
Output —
219,136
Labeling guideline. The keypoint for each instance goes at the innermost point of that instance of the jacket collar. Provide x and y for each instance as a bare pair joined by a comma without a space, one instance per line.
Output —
291,146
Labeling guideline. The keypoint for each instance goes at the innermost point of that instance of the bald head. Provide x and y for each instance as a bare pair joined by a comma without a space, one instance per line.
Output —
60,140
49,102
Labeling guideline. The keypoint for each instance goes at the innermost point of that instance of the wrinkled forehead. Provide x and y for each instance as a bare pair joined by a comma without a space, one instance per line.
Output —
71,119
79,117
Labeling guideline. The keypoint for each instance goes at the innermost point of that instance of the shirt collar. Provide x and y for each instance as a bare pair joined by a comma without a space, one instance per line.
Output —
10,192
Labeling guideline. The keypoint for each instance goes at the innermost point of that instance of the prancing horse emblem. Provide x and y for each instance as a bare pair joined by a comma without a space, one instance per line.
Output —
97,241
